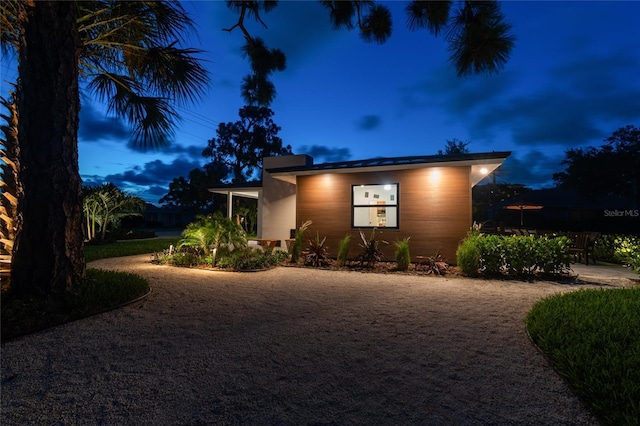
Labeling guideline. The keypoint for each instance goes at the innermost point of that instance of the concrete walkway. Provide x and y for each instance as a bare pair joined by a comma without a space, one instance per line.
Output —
603,270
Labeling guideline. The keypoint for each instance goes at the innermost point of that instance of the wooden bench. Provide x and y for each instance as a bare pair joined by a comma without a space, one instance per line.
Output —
582,244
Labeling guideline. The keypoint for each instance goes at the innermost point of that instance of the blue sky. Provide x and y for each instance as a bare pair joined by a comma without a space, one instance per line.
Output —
572,80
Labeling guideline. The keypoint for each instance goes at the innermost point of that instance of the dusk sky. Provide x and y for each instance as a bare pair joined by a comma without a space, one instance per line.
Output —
572,80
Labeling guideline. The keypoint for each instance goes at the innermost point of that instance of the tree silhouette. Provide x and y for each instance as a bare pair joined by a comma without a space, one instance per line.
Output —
241,145
454,147
477,35
611,169
128,54
192,194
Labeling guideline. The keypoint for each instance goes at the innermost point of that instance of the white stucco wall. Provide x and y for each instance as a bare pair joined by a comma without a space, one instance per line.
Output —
277,210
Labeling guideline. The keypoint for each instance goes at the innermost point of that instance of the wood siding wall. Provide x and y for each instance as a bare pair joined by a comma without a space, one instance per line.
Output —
434,208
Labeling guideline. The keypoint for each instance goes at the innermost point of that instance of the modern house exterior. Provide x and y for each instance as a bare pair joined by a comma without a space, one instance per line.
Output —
426,198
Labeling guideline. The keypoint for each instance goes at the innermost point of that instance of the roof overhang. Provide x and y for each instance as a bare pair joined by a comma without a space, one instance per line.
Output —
481,165
248,189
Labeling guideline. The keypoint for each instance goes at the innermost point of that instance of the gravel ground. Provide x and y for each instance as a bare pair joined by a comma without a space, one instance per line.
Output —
293,346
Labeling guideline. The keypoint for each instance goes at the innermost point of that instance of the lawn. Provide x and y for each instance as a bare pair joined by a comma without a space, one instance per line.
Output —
592,337
102,290
127,248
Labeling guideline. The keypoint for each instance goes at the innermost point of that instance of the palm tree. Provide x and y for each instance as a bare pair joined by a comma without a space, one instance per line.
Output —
208,233
128,54
10,186
107,205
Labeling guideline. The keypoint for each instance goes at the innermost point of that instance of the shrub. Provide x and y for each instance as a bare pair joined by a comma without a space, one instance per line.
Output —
552,255
492,259
403,256
371,249
614,248
519,255
245,259
343,250
604,248
627,248
210,232
513,255
185,258
435,264
297,244
468,256
316,253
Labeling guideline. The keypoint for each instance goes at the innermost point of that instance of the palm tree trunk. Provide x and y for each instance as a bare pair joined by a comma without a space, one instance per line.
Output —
48,253
11,188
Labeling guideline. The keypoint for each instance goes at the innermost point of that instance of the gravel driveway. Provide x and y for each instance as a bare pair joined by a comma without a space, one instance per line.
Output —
293,346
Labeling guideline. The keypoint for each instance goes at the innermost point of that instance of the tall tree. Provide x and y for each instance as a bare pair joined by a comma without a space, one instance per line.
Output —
242,145
10,186
191,194
477,35
611,169
48,254
128,53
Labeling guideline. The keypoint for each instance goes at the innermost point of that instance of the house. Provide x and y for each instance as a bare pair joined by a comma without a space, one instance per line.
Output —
426,198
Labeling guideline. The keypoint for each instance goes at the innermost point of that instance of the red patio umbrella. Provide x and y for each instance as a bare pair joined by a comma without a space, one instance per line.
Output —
522,206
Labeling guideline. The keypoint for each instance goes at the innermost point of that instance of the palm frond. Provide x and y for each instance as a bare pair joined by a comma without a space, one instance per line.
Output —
376,24
479,38
11,14
132,57
432,15
170,71
153,118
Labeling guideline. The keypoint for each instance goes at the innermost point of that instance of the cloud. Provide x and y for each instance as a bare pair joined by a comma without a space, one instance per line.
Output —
576,103
193,151
533,167
459,96
158,191
369,122
570,116
324,154
152,179
96,126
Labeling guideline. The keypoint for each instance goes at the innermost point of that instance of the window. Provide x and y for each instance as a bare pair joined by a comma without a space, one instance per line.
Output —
375,206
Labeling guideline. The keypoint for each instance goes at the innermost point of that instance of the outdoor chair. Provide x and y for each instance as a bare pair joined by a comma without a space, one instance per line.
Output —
580,246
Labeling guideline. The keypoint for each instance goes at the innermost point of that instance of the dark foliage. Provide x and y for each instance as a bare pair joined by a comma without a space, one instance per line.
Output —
316,253
371,249
435,265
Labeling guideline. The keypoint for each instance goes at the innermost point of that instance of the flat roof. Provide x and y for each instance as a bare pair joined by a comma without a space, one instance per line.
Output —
244,189
481,164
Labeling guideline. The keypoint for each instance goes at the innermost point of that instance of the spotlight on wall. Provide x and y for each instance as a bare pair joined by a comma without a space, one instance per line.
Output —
484,170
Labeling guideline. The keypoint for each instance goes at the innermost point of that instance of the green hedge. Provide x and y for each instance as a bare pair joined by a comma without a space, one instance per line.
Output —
615,248
513,255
